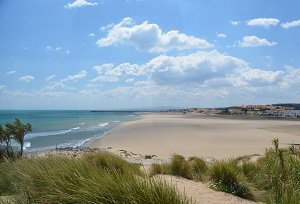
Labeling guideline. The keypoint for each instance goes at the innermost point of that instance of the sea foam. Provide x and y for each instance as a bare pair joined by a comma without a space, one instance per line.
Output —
103,124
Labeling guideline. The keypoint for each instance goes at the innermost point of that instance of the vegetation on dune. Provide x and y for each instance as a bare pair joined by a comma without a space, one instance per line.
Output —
274,178
225,177
93,178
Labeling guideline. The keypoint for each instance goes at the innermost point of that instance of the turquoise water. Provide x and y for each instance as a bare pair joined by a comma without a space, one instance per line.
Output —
65,128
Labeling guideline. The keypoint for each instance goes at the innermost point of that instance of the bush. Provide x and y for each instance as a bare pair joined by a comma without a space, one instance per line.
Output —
198,168
180,167
224,175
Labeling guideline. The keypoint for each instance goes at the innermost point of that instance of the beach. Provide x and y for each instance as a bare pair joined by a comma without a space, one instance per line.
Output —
164,134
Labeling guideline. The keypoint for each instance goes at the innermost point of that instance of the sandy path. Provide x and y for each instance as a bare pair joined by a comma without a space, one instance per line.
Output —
201,193
165,134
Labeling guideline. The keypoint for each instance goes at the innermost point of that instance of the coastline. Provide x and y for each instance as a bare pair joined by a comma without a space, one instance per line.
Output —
164,134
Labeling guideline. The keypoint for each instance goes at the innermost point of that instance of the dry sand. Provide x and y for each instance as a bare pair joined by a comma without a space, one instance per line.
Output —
164,134
201,193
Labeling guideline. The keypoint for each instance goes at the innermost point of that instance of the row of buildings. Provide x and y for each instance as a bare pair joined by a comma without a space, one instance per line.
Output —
262,110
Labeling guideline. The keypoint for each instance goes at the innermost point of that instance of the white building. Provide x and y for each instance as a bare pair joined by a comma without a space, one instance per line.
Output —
283,113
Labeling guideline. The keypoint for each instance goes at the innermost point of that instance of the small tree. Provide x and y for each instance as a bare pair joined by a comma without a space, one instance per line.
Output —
5,137
19,130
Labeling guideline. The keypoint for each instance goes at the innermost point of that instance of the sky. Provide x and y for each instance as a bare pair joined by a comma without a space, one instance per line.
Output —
133,54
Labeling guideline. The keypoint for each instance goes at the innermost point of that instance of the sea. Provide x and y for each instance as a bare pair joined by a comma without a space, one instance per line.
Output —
68,128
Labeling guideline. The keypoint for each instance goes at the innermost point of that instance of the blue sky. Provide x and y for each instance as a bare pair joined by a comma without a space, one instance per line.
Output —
115,54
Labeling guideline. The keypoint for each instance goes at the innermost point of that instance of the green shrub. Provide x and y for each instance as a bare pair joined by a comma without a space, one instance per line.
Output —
224,175
180,167
198,168
156,169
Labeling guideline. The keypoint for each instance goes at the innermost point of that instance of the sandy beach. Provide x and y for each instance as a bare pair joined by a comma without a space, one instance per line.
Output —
164,134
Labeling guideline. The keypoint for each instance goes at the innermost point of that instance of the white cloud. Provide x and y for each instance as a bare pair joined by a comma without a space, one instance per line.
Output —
254,41
203,68
67,51
263,22
221,35
235,23
10,72
150,37
110,70
292,77
27,78
50,77
55,85
80,3
129,80
105,79
75,77
106,27
291,24
92,35
54,49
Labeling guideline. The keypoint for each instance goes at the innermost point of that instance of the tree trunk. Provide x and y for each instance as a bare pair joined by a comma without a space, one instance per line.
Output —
7,149
22,144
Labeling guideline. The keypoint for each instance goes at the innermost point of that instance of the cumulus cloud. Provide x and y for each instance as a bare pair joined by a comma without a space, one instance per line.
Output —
80,3
254,41
203,68
149,37
263,22
11,72
291,24
92,35
291,78
75,77
50,77
26,78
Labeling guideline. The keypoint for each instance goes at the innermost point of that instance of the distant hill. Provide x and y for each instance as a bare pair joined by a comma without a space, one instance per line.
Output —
296,106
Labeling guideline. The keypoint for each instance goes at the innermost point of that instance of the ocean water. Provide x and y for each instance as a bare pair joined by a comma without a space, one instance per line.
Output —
65,128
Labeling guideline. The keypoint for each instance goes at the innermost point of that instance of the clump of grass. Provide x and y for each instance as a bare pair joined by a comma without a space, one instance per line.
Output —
225,178
93,178
198,168
180,167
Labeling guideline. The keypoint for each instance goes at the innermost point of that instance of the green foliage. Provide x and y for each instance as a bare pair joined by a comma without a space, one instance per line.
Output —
17,131
224,175
198,168
274,178
93,178
180,167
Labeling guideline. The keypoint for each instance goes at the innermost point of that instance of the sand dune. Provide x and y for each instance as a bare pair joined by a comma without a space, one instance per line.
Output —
201,193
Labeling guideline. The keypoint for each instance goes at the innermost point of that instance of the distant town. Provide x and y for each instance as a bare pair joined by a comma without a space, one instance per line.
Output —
274,110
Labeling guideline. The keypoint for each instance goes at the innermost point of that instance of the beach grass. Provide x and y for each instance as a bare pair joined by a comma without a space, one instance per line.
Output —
273,178
93,178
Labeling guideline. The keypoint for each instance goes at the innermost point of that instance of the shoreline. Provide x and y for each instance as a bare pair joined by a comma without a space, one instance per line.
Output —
164,134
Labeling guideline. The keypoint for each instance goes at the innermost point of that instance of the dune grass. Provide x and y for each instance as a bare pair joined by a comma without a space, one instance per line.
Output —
92,178
225,177
192,168
274,178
